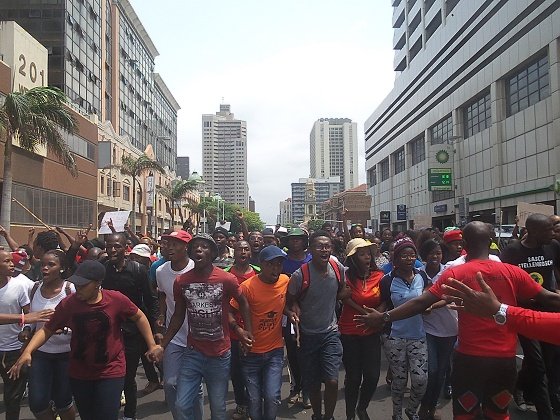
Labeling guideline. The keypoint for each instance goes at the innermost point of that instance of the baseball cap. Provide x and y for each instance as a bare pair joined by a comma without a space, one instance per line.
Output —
89,270
20,258
452,235
181,235
142,250
271,252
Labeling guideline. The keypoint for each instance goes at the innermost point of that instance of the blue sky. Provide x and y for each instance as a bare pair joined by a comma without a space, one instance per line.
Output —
281,66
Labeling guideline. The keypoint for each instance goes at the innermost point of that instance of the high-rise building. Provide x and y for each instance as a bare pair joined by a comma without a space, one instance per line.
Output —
333,144
285,215
101,56
251,204
224,156
183,167
309,194
472,125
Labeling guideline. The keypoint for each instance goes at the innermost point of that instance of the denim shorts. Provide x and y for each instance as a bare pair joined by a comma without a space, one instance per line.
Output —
48,380
320,357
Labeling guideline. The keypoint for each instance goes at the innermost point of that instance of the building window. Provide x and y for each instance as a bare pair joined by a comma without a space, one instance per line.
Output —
477,115
442,195
126,193
442,132
528,86
109,186
398,160
116,189
384,168
102,184
372,176
417,150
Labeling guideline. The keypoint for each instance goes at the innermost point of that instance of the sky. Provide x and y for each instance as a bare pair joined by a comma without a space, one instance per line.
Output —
281,65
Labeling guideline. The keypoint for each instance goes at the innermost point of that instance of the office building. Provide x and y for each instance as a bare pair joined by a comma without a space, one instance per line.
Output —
333,146
285,215
101,56
472,125
183,167
40,181
251,204
308,195
224,156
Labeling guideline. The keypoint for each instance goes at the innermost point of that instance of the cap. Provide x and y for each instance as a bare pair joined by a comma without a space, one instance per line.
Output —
221,230
267,232
89,270
181,235
271,252
295,232
452,235
142,250
401,244
20,258
207,238
356,243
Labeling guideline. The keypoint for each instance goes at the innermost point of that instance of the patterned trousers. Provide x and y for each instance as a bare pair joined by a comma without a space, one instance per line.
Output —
407,356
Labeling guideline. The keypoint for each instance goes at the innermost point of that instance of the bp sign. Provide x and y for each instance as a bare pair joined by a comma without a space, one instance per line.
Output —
440,179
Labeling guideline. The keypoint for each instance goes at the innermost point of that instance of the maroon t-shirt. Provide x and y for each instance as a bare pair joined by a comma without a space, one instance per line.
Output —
207,301
96,347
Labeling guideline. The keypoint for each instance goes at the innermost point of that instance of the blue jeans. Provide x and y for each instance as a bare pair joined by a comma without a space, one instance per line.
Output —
194,367
263,377
98,399
440,350
48,380
172,359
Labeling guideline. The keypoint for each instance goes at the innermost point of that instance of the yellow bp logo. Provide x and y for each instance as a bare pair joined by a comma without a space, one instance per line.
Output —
442,156
537,277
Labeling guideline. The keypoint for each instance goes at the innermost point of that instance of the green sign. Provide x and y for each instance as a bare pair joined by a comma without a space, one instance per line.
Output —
440,179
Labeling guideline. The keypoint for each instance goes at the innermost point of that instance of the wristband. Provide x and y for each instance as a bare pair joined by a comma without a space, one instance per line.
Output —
22,322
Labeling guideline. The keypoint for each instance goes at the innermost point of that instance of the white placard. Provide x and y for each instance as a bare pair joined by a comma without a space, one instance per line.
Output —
524,210
119,218
422,221
225,225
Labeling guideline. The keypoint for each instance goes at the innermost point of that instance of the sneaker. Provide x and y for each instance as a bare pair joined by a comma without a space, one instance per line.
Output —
151,387
293,398
519,400
123,399
306,404
411,414
240,413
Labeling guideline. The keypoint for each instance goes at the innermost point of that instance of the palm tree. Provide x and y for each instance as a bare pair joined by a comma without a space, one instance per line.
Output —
135,167
173,195
35,117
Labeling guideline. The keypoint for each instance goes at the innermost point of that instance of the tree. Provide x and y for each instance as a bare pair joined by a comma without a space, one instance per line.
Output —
173,195
36,117
135,167
210,205
315,224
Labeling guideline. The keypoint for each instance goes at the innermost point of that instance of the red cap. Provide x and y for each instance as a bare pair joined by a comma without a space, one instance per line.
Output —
180,235
452,235
20,258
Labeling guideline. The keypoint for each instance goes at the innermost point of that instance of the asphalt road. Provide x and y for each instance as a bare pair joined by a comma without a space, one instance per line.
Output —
153,406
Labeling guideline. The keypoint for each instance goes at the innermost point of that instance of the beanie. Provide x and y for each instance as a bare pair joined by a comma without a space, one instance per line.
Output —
401,244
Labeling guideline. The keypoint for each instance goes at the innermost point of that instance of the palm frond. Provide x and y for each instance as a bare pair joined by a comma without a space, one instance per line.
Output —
180,188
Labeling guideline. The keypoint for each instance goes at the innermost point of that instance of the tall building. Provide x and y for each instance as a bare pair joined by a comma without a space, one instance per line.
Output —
472,125
285,216
333,144
224,156
101,56
309,194
183,167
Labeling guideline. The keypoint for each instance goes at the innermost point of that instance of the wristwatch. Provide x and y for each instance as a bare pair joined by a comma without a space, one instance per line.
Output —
386,317
501,316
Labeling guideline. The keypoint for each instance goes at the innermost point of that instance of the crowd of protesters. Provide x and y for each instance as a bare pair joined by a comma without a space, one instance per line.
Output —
78,316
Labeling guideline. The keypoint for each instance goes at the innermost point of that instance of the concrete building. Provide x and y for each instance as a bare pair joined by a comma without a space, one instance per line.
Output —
333,145
183,167
251,204
224,156
357,203
285,216
101,56
472,125
309,193
40,181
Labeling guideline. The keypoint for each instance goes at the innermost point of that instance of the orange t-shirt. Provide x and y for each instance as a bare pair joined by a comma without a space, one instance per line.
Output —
266,302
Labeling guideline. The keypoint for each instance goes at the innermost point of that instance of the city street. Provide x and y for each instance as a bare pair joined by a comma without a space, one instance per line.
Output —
153,406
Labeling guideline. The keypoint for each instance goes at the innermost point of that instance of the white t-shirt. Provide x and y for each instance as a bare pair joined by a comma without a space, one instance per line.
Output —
13,297
58,343
165,277
26,281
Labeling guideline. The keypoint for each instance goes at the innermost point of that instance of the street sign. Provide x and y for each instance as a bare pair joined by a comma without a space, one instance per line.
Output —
401,211
440,179
385,217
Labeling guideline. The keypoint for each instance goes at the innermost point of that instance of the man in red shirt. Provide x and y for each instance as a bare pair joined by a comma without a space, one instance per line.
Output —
203,294
483,346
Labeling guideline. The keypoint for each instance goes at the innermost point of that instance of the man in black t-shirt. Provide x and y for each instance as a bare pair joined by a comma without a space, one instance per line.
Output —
538,254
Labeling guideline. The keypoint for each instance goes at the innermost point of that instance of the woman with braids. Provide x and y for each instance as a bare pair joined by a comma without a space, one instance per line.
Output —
361,347
48,376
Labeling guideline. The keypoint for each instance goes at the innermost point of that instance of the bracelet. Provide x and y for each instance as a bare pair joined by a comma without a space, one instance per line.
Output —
22,322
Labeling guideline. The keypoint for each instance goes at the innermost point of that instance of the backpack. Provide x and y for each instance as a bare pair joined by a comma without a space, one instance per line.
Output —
306,276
